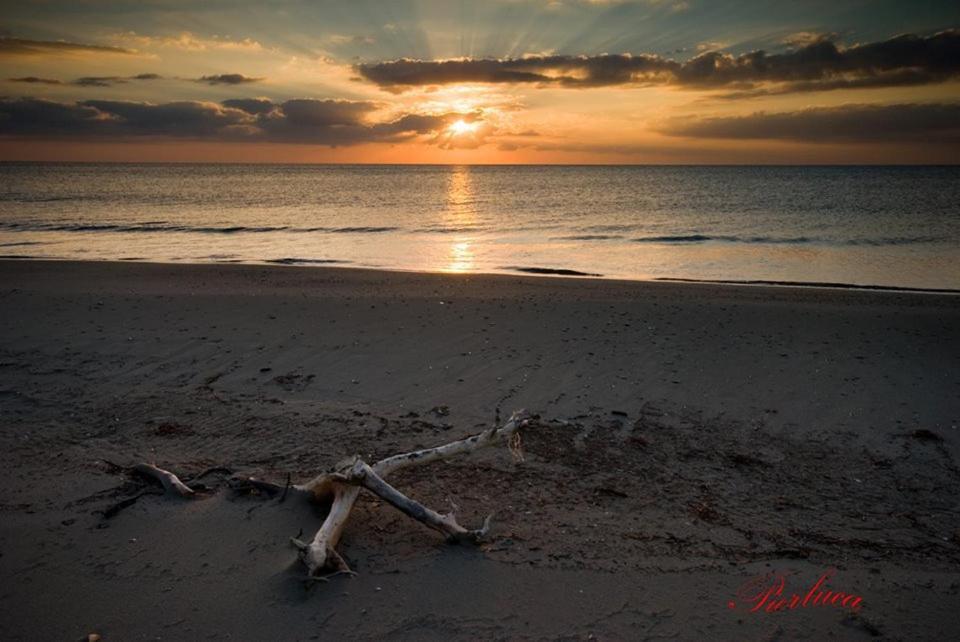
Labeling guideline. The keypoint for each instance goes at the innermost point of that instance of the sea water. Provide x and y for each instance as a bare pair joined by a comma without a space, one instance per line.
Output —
886,226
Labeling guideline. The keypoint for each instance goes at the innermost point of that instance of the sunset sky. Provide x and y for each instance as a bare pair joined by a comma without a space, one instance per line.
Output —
501,81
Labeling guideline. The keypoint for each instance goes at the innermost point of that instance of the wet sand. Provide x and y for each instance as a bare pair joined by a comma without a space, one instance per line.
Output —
690,437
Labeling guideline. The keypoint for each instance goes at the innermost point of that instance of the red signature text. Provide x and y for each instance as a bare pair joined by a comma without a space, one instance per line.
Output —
769,593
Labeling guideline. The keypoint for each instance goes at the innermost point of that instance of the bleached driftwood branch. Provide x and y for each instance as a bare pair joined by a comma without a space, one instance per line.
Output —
447,524
171,483
320,554
341,487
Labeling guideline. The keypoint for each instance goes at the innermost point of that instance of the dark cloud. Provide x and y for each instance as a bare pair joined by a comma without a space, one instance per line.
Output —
325,113
180,119
36,80
228,79
24,47
34,117
820,63
575,71
931,59
342,122
910,122
323,122
109,81
413,124
806,38
899,78
251,105
99,81
88,81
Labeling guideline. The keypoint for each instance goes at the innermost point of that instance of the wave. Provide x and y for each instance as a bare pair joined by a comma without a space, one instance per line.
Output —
588,237
440,229
609,228
897,240
21,243
352,230
790,240
543,270
595,233
155,227
702,238
298,261
810,284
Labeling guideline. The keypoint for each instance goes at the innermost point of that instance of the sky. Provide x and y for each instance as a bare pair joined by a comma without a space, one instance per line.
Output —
499,81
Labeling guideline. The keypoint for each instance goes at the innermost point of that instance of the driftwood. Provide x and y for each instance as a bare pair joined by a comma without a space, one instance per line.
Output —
342,486
171,483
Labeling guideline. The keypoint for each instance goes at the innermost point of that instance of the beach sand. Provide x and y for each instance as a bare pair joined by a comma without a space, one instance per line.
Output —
690,437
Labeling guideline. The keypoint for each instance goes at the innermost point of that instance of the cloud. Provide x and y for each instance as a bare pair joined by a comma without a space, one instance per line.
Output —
88,81
573,71
99,81
180,119
932,59
322,122
817,62
228,79
187,41
25,47
109,81
807,38
900,78
33,117
251,105
36,80
672,6
343,122
711,46
325,113
340,39
908,122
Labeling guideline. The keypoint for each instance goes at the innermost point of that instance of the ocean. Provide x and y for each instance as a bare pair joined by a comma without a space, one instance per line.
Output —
871,226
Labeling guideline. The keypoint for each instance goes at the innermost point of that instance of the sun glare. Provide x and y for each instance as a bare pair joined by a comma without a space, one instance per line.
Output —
462,127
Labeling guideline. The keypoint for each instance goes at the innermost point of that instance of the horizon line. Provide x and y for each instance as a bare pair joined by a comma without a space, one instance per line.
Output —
374,164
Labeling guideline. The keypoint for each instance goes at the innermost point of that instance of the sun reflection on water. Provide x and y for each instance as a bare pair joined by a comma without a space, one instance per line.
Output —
461,257
460,214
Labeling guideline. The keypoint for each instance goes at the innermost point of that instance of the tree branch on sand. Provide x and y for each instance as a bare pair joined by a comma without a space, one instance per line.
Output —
342,485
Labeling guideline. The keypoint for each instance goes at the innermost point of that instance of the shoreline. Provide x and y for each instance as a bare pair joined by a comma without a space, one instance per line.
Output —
528,272
691,437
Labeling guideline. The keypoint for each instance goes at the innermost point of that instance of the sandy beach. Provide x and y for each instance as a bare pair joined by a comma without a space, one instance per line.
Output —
689,437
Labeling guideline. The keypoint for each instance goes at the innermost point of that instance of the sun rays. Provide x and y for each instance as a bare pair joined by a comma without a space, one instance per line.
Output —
462,127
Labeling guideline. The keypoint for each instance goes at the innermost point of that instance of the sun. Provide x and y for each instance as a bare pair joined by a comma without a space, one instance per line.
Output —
460,127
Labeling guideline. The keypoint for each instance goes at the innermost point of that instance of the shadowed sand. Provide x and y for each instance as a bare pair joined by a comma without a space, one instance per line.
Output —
691,436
